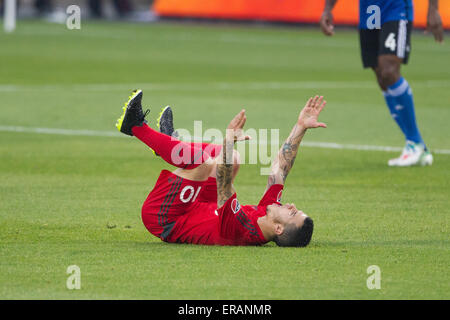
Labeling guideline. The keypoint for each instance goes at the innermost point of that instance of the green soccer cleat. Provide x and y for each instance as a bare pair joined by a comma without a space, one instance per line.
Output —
132,114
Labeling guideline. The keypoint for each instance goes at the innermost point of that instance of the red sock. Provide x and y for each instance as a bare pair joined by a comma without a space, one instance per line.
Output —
178,153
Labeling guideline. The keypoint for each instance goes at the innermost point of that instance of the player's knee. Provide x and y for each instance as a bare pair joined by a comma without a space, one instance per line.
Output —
389,72
389,76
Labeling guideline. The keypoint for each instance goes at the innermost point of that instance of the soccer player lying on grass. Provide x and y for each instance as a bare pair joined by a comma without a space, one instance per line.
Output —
197,203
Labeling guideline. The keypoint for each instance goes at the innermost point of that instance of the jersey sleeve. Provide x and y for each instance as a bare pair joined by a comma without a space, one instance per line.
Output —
272,195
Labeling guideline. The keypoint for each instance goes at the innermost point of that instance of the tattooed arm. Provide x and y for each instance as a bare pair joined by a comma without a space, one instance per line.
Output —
286,156
224,172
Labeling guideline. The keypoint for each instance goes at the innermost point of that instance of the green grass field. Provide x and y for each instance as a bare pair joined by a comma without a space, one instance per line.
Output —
60,192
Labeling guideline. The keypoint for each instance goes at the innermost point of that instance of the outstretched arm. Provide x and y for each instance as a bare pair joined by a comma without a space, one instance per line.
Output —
224,172
307,119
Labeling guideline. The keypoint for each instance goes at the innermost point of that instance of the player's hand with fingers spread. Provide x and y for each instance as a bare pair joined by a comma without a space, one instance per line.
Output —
235,128
308,116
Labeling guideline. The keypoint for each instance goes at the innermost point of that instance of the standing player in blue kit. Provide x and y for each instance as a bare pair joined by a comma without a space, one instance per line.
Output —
385,39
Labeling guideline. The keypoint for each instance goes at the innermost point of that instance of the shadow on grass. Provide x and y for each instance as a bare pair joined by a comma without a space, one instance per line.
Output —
160,245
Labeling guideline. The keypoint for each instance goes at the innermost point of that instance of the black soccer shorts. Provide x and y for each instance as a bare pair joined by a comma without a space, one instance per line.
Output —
394,37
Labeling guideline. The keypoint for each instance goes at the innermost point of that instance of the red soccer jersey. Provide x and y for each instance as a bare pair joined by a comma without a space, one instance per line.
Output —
231,224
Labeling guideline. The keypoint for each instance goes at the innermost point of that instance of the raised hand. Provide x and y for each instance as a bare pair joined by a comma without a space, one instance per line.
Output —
235,128
308,116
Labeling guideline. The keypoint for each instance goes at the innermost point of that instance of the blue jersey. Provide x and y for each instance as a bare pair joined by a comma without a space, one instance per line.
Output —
390,10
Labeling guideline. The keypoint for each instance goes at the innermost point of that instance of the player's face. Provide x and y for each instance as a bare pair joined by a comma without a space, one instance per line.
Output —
287,214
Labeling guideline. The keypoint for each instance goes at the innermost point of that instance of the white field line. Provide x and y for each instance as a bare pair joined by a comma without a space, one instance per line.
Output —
325,145
225,86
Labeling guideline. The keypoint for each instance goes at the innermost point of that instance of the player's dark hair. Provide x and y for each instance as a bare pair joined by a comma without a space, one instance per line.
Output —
294,236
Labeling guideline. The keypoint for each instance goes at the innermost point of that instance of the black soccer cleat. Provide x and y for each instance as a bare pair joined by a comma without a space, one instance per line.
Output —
165,122
132,114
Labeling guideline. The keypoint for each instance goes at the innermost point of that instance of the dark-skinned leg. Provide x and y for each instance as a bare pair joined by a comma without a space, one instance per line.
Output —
398,96
387,73
388,70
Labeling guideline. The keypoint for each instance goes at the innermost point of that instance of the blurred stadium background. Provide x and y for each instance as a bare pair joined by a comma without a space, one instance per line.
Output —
289,11
72,187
